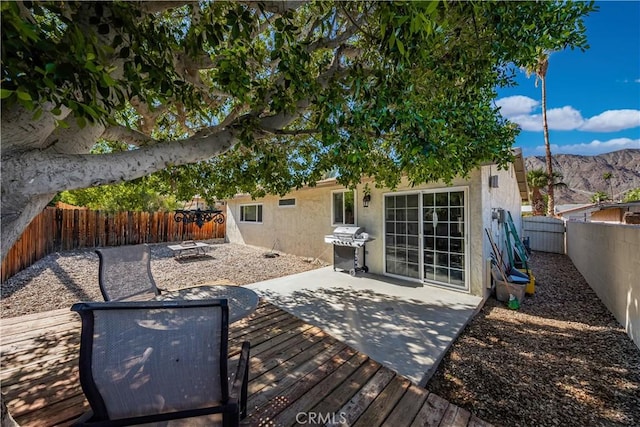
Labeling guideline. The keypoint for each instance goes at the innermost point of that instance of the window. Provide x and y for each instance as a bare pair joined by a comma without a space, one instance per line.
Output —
251,213
343,207
287,202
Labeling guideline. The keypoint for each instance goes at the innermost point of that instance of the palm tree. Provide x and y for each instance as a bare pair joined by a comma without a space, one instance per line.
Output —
607,177
540,70
538,179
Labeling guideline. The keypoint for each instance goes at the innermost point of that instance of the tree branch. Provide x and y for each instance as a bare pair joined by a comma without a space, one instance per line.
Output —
126,135
296,132
161,6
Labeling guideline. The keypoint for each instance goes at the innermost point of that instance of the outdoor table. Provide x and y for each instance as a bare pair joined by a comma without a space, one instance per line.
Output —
242,301
198,248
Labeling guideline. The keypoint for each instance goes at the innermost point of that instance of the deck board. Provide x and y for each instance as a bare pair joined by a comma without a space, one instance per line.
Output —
295,368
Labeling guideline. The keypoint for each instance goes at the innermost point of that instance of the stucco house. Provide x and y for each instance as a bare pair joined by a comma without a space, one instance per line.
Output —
449,249
612,213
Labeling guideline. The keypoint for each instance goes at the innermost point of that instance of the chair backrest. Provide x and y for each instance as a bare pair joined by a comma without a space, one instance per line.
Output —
125,273
139,358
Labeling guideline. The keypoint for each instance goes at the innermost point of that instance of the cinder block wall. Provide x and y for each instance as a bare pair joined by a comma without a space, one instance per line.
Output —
608,256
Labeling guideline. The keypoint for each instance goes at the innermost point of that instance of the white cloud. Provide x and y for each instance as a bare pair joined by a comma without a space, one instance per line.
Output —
519,109
612,121
565,118
516,105
592,148
637,80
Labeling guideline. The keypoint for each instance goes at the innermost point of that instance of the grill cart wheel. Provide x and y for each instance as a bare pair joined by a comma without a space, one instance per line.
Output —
352,272
365,269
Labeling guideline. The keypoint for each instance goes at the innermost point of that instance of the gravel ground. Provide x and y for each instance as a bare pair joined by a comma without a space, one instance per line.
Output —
561,360
61,279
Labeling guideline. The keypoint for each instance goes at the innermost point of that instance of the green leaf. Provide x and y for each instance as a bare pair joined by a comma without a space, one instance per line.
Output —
81,121
5,93
62,124
431,7
23,95
37,114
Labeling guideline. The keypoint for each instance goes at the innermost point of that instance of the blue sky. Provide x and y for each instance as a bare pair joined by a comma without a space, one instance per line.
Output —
593,97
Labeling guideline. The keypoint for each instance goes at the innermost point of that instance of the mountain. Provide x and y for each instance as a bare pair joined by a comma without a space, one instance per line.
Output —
583,174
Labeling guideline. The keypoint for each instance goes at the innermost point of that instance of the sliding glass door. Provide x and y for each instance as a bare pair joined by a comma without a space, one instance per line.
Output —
425,236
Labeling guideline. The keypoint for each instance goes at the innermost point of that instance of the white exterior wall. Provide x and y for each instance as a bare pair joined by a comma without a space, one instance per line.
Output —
300,230
607,256
372,218
506,196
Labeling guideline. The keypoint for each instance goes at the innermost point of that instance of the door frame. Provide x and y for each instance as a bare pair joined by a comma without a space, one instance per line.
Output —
421,249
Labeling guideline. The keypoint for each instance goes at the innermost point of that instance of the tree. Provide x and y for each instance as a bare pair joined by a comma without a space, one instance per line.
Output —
607,177
540,71
538,179
136,195
538,64
599,197
259,97
632,195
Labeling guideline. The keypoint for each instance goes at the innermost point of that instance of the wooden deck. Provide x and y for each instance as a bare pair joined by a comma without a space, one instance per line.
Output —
298,375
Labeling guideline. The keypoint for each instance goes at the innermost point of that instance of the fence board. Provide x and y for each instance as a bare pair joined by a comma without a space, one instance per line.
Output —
545,234
65,229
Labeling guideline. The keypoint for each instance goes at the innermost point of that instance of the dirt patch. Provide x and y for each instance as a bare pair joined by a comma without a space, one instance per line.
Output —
562,359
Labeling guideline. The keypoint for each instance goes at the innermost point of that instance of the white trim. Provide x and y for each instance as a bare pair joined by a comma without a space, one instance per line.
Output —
421,250
355,207
241,221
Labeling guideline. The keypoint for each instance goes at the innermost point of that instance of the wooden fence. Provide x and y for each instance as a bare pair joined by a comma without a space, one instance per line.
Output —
64,229
545,234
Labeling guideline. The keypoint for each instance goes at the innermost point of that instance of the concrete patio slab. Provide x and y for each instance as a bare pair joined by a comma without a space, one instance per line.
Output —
405,326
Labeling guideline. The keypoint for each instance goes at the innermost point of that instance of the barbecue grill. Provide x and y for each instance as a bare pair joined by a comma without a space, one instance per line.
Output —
348,248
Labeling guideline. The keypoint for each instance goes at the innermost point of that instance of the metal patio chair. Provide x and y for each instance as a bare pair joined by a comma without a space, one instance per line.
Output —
125,273
155,361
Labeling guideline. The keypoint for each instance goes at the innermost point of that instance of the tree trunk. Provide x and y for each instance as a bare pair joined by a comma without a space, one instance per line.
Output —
547,144
537,202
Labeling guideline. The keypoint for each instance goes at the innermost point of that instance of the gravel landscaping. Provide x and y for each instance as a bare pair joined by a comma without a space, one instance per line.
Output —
561,360
61,279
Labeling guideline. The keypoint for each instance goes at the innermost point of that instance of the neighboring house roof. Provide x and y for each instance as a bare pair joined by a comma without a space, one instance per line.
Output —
619,205
567,209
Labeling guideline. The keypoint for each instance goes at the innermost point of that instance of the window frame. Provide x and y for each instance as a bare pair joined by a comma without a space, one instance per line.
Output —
355,208
295,202
259,213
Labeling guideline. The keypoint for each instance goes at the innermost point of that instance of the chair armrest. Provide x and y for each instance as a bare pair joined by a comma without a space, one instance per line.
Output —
241,382
84,419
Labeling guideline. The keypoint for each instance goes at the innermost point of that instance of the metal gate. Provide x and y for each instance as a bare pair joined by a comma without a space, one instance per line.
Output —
545,234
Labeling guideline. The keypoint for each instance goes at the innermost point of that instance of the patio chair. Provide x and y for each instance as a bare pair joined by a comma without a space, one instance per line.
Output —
155,361
125,273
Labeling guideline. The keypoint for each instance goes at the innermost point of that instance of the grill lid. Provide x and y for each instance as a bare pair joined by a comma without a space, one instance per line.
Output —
348,231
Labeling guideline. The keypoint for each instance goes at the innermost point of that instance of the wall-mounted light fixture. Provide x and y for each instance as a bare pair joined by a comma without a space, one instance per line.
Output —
366,199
